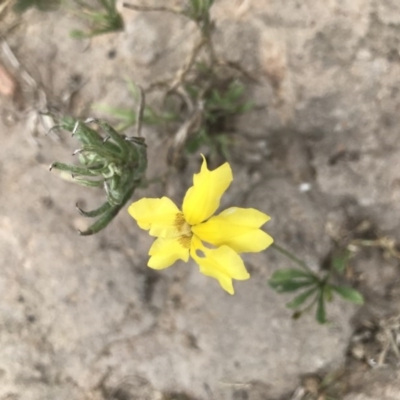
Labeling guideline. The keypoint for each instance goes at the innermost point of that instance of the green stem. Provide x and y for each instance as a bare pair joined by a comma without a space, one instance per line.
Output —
292,257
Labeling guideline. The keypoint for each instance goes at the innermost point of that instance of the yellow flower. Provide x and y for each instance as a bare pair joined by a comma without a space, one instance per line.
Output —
214,243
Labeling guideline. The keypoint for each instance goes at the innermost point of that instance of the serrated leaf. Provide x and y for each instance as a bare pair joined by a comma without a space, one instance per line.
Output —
349,294
301,298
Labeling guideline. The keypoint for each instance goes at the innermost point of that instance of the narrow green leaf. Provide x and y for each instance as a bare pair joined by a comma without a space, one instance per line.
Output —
349,294
289,286
289,274
291,279
328,296
321,313
301,298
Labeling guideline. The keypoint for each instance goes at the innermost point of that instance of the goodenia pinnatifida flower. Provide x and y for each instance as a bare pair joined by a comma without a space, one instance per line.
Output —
214,242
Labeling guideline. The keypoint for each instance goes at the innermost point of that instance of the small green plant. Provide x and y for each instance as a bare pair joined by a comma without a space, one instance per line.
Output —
212,95
221,101
128,116
316,289
103,18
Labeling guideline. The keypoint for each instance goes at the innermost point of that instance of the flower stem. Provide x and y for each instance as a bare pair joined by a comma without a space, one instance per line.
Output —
293,258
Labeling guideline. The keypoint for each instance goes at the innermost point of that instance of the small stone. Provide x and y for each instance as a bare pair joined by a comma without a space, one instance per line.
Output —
358,351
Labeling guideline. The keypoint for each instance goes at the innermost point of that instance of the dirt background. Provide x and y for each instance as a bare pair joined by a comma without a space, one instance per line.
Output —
84,318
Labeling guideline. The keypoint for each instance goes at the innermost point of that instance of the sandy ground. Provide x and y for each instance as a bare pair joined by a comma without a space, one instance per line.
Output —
84,318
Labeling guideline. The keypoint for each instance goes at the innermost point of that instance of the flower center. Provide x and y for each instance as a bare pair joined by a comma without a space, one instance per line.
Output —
184,229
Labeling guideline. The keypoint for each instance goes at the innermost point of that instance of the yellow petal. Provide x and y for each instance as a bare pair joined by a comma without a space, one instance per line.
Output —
156,215
237,228
223,264
203,198
164,252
